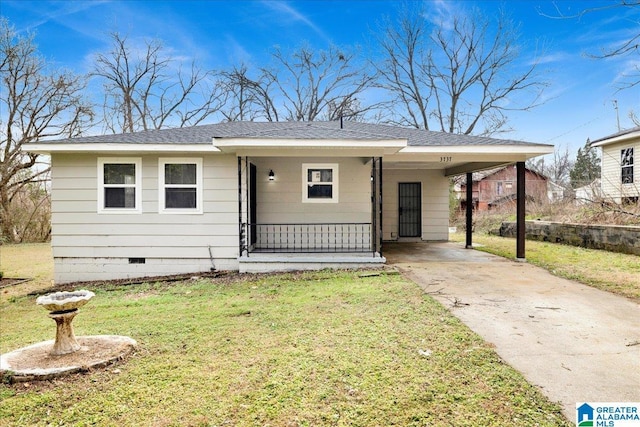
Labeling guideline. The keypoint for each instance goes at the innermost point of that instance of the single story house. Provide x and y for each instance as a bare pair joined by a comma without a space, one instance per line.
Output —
254,196
494,188
620,179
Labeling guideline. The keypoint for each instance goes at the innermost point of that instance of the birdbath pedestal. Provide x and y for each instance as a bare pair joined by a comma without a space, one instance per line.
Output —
63,307
65,338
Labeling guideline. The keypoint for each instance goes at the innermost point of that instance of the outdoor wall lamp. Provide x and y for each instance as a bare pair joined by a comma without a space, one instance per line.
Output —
272,175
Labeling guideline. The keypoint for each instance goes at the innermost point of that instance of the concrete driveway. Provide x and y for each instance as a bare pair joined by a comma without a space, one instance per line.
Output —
577,343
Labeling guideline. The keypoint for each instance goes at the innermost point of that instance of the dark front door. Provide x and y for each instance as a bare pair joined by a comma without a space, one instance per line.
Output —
253,202
409,203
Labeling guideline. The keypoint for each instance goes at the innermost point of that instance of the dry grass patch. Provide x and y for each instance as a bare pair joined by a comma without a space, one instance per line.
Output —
325,348
27,260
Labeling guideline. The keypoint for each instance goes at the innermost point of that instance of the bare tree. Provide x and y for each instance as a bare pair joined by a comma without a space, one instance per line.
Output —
556,167
302,85
458,76
311,85
147,89
36,103
247,98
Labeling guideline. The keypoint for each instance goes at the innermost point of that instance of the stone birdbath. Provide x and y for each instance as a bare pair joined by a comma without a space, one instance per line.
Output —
63,307
67,354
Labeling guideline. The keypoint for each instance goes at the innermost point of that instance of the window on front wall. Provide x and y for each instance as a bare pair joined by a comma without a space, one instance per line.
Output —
119,185
180,185
320,183
626,161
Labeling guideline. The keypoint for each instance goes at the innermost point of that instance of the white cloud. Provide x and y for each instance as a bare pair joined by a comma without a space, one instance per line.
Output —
284,9
440,13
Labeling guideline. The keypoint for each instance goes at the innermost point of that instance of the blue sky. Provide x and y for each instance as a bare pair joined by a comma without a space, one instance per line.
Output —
579,103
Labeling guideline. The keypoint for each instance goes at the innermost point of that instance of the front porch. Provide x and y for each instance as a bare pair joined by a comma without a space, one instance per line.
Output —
293,213
308,246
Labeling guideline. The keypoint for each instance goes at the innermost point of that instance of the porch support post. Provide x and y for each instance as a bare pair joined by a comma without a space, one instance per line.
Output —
240,226
520,212
243,208
469,215
374,212
380,205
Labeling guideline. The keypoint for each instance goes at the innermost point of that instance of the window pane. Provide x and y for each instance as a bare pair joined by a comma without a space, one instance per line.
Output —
320,191
180,198
626,157
627,175
180,173
120,197
320,175
119,173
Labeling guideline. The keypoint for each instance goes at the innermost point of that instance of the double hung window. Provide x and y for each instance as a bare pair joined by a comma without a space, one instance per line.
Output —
119,189
626,161
180,185
320,183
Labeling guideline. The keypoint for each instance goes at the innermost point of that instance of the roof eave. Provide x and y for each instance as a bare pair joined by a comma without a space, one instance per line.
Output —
529,149
316,143
615,139
48,148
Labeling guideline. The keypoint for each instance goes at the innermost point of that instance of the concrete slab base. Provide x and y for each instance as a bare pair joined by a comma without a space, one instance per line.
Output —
33,363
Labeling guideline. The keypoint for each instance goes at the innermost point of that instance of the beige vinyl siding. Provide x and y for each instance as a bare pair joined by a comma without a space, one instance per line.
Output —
612,186
435,202
280,201
88,245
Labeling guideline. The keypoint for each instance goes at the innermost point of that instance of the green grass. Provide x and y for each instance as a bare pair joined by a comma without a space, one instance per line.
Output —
609,271
315,349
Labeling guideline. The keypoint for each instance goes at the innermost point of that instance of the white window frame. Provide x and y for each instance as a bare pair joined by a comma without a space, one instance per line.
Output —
137,162
161,185
335,181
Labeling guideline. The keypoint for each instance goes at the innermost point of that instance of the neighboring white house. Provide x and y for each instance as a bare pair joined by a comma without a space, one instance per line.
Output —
253,196
590,192
620,175
555,192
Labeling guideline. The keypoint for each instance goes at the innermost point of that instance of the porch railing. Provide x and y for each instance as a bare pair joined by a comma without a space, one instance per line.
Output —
307,238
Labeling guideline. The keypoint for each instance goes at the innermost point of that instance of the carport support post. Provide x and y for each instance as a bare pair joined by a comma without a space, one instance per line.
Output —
469,218
520,212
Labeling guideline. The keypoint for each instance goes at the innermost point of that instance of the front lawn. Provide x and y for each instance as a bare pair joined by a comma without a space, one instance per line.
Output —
316,349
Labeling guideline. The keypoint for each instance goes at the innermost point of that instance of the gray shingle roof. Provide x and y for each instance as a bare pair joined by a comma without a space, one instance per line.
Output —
620,133
204,134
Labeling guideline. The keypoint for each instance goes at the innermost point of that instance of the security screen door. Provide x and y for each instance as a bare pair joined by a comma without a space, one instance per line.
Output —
409,203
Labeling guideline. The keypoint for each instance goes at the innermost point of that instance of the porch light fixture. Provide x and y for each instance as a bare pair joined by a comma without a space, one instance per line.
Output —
272,175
